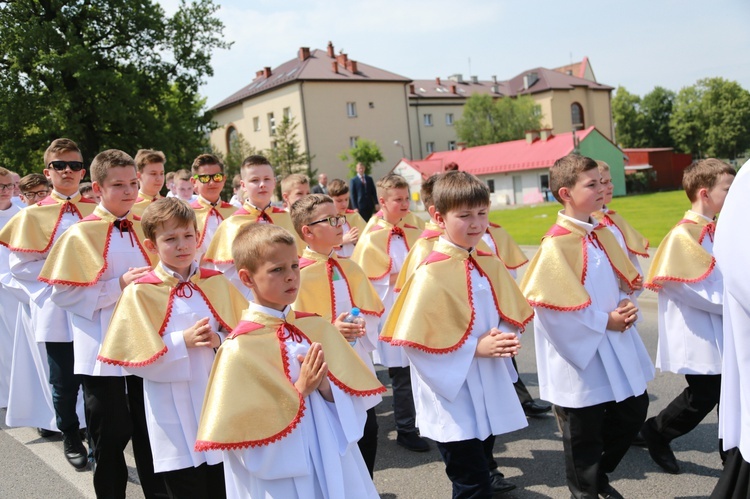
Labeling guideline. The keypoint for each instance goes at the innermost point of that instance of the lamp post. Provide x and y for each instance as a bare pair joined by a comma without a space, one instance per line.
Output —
403,152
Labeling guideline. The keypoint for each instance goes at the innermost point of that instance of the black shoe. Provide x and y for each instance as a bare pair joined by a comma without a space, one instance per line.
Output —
499,484
639,441
535,409
47,433
659,450
74,450
609,492
412,442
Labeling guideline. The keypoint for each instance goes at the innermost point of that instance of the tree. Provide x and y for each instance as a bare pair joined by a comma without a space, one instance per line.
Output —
364,151
726,108
488,121
656,107
286,156
626,112
239,149
105,73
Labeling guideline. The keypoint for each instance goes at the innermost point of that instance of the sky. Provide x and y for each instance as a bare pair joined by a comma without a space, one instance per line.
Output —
638,44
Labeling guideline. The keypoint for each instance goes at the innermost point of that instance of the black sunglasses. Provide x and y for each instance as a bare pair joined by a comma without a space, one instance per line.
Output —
60,166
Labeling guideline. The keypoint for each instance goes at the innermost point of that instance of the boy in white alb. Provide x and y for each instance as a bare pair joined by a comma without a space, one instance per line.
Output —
689,288
165,329
591,361
150,167
354,225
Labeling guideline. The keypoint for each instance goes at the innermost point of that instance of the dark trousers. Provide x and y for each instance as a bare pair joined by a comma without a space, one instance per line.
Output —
595,439
65,385
403,399
368,444
521,391
689,408
468,467
115,413
203,482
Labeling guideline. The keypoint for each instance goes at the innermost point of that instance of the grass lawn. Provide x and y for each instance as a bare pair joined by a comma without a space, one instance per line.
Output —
651,214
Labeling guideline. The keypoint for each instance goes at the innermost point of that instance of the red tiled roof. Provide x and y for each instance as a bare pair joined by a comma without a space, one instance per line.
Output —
425,167
515,155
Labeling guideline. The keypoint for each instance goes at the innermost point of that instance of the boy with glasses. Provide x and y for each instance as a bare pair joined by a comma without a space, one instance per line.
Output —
34,187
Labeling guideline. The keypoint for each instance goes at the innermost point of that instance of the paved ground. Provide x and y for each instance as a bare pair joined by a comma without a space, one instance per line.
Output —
31,467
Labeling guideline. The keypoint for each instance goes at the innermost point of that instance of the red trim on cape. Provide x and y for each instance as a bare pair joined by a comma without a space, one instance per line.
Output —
631,250
557,230
351,211
620,274
305,262
49,200
560,309
655,286
206,273
146,362
429,233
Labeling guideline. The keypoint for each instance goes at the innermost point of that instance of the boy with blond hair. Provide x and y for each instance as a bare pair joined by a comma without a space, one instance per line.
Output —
354,225
689,288
88,268
331,287
150,167
291,432
165,328
293,187
591,362
381,252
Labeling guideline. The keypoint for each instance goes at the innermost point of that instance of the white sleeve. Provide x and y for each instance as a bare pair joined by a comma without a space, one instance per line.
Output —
705,295
444,373
575,335
25,267
172,366
85,301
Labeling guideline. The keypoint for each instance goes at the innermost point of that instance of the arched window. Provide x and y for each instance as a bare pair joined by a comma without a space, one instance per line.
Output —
576,116
233,138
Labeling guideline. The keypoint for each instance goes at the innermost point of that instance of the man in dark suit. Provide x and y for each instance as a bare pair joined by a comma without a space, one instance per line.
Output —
364,196
322,186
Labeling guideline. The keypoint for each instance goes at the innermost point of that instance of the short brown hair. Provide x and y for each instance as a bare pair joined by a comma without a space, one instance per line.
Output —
237,182
455,189
254,160
702,174
602,165
204,160
337,187
293,180
303,209
4,172
145,157
254,243
106,160
32,180
425,192
391,181
565,172
85,187
60,145
182,174
165,210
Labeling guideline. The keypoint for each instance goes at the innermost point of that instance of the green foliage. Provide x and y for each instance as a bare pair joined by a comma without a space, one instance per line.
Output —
107,74
488,121
628,118
286,156
364,151
239,149
656,108
688,123
726,110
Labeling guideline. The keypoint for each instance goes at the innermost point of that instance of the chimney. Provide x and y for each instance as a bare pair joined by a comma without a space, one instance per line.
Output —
304,53
351,66
330,50
411,88
495,89
494,78
334,66
258,74
475,79
461,146
453,90
545,134
531,136
341,59
437,81
267,72
529,79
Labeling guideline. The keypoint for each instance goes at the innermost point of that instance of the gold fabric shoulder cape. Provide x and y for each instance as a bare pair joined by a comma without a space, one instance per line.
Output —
438,294
507,249
251,400
316,292
79,257
372,251
220,249
680,256
134,336
142,202
634,240
354,219
557,272
203,209
32,230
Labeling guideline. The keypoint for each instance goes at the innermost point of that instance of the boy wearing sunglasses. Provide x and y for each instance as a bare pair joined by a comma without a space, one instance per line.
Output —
208,181
29,236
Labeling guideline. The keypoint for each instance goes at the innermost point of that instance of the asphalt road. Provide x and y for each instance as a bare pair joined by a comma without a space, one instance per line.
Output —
532,458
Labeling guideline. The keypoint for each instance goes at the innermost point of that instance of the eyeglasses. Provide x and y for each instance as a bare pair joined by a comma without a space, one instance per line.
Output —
60,166
336,221
35,195
5,187
206,178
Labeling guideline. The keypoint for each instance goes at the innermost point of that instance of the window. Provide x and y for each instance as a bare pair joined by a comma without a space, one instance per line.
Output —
430,147
353,141
451,145
233,138
491,185
271,124
449,120
351,109
256,123
576,116
427,120
544,181
288,113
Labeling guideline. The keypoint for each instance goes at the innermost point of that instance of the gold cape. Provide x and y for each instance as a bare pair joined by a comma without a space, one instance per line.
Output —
220,249
32,230
316,293
634,241
251,400
680,256
134,336
438,295
203,209
421,250
354,219
142,202
372,249
79,257
557,272
506,247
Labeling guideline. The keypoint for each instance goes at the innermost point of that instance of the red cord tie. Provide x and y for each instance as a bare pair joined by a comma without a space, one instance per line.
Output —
264,216
125,225
185,289
594,239
711,230
287,331
398,231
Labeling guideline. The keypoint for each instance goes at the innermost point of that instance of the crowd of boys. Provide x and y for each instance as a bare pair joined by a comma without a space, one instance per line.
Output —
216,337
